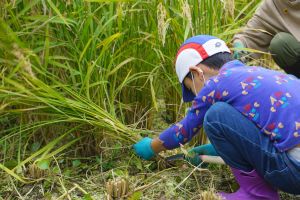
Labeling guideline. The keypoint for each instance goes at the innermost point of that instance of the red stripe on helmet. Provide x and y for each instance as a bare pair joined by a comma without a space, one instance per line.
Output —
199,48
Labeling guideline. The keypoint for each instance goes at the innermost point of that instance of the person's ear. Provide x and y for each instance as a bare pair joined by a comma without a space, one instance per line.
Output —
197,72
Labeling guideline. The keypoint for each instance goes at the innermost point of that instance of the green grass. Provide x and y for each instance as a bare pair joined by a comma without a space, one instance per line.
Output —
81,81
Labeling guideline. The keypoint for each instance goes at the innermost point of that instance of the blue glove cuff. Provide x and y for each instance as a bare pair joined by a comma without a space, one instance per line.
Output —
143,148
238,44
206,149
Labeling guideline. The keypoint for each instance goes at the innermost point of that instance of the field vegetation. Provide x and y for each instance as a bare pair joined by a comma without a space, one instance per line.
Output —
82,80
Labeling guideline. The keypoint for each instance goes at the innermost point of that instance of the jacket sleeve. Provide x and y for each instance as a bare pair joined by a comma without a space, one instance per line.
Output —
183,131
260,29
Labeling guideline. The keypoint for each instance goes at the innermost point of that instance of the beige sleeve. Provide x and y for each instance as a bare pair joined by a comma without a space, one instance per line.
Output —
255,35
260,29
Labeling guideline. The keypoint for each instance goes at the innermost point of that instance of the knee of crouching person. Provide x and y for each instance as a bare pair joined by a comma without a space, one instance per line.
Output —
278,42
215,112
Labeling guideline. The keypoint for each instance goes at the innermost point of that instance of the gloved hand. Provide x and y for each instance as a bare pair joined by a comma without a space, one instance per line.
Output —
238,53
143,148
193,155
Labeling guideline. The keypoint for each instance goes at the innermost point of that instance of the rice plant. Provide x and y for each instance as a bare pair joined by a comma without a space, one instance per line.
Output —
77,74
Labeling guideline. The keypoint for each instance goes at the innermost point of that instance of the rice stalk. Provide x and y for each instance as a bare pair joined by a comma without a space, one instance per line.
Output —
186,12
23,62
101,67
162,23
229,7
209,195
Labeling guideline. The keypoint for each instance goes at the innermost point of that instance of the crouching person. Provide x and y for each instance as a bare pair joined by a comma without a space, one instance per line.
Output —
275,28
250,114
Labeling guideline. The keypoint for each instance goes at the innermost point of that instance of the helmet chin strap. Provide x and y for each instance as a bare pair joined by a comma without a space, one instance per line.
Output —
181,103
194,81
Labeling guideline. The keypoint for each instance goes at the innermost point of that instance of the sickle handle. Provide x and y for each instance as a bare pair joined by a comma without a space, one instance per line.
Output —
212,159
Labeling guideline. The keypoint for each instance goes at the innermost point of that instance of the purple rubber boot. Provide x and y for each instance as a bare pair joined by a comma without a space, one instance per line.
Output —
252,187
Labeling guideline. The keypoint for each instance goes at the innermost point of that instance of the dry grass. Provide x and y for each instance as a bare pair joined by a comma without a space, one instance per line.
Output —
117,171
